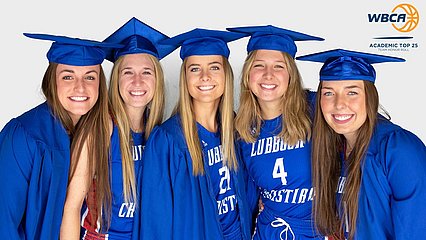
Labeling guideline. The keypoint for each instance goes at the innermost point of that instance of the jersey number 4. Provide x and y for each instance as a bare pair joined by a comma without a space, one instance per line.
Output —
279,171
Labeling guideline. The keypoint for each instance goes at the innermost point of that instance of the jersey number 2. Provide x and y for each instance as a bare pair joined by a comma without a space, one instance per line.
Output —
224,186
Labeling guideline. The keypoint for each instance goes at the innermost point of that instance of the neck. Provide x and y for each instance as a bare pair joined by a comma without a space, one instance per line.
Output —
269,110
349,146
136,119
205,114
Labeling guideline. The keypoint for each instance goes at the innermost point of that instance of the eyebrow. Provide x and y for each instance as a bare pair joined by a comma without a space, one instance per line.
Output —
275,61
211,63
92,71
129,68
346,87
71,71
66,70
193,65
215,63
352,86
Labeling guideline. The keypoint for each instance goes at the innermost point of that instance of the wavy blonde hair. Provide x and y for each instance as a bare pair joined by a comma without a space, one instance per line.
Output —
185,109
294,107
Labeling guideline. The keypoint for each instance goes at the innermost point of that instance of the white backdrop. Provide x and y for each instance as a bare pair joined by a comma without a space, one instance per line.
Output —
343,24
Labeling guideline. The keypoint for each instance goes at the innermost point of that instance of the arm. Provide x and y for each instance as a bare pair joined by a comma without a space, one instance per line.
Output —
77,191
252,191
157,188
405,157
16,161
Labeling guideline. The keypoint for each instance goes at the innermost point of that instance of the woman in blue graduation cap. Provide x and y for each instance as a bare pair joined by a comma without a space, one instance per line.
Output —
192,186
35,147
377,167
136,92
274,126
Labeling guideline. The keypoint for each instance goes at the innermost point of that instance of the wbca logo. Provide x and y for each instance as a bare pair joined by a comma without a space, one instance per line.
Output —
404,17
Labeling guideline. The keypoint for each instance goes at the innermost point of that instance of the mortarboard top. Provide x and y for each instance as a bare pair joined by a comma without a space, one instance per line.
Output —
138,37
273,38
340,64
74,51
203,42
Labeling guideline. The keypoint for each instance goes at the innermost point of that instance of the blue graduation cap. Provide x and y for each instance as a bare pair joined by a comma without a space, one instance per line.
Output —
340,64
138,37
273,38
203,42
74,51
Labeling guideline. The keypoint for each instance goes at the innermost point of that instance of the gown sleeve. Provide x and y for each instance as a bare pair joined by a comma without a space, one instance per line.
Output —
252,191
158,170
16,159
405,160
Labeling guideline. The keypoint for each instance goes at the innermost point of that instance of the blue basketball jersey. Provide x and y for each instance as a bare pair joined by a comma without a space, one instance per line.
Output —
282,173
176,204
122,213
221,182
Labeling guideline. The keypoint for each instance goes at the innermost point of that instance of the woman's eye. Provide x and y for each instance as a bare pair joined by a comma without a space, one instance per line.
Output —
352,93
195,69
257,66
215,68
67,77
90,78
327,93
147,73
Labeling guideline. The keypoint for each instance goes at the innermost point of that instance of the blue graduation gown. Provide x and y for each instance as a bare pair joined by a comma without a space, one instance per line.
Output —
122,213
34,165
282,174
175,203
392,194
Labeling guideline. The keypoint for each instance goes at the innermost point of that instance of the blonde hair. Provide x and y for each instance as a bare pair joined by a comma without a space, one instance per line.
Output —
185,109
294,107
154,111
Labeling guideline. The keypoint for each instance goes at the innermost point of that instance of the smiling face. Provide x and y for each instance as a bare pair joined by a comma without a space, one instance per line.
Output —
136,81
205,78
77,88
269,78
343,105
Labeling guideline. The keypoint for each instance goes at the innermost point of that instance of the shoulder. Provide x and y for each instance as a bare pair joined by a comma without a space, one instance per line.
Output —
310,95
40,124
387,131
170,131
171,124
390,140
172,127
26,124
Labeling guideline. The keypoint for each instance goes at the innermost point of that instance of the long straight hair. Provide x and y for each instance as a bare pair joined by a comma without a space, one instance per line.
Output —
155,110
294,108
93,130
225,112
327,147
49,88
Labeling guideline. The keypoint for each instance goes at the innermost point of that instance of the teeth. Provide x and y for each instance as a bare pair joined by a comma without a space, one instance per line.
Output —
79,99
268,86
205,88
342,117
138,93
